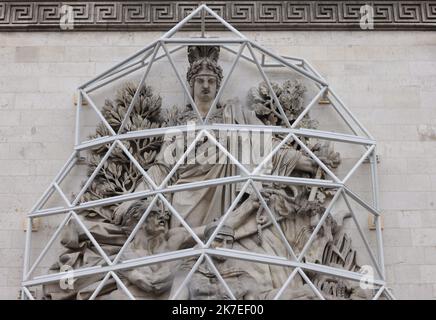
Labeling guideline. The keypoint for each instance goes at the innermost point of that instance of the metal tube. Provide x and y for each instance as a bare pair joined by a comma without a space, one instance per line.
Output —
191,100
181,220
188,277
379,292
143,64
100,286
375,187
333,136
135,230
97,111
271,154
374,211
122,285
137,165
286,63
316,159
224,83
133,56
319,225
357,165
220,278
309,106
176,28
224,22
224,217
90,237
78,107
365,240
274,221
182,158
138,90
94,173
233,254
265,78
227,153
286,284
312,286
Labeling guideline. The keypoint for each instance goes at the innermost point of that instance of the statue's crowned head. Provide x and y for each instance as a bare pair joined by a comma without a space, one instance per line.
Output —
204,74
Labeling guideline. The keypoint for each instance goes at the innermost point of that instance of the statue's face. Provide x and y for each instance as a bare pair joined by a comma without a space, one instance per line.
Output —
205,88
156,223
222,241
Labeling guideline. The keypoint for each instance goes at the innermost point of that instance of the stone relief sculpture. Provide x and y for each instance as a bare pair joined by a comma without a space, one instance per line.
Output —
210,225
250,227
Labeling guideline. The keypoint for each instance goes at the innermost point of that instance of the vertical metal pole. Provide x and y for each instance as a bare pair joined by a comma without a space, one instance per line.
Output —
375,194
78,107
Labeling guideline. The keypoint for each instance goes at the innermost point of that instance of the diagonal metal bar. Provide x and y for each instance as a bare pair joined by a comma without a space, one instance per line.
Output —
125,73
188,277
310,283
268,83
389,294
274,221
316,159
308,107
90,237
142,194
227,153
220,278
135,230
181,220
182,159
62,194
137,165
288,64
379,292
58,179
224,22
93,175
224,217
362,234
223,85
183,83
286,284
122,285
357,165
28,294
133,56
368,207
48,245
97,111
100,286
138,90
319,225
271,154
347,111
179,25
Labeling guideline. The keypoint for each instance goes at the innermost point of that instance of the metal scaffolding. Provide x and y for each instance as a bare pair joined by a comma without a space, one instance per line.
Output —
144,59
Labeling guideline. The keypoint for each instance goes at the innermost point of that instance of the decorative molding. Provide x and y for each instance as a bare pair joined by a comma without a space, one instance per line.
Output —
243,14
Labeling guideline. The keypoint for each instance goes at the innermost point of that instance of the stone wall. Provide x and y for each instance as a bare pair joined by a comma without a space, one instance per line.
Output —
388,79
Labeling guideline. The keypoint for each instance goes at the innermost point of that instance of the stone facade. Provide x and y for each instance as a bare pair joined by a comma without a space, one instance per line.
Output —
386,78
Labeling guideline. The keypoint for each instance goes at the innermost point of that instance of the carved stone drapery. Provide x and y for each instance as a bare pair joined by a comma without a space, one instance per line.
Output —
138,15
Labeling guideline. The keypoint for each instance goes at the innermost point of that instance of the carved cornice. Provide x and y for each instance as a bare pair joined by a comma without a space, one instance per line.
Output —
243,14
